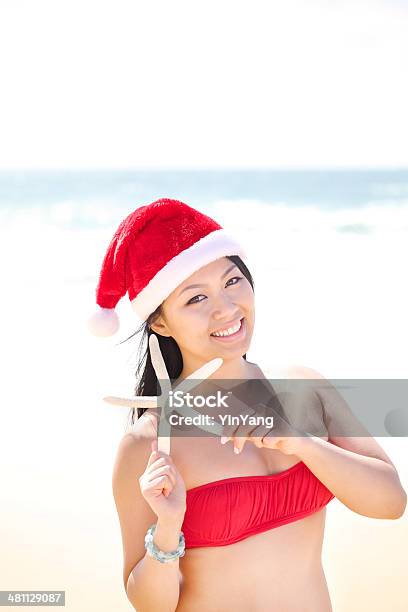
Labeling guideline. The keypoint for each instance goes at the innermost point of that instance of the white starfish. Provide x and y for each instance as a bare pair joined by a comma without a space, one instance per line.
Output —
147,401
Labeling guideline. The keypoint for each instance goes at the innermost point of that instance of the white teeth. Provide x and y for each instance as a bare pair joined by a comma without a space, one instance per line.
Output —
229,331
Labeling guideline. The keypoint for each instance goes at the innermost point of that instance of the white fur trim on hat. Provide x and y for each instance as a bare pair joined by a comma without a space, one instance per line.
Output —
218,243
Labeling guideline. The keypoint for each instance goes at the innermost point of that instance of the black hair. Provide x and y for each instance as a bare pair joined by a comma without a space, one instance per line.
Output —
147,382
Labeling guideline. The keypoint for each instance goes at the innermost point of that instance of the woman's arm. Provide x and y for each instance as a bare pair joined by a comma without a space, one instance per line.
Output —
367,485
354,467
153,585
150,585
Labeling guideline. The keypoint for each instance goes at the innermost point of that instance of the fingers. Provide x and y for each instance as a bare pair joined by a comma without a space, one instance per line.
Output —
250,430
161,482
160,471
156,454
258,434
242,429
153,455
163,470
239,436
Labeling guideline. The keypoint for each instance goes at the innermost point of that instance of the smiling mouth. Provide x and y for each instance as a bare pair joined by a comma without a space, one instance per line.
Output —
236,334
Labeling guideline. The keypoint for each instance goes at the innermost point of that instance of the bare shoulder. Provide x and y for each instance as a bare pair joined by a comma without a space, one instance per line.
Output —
132,453
135,444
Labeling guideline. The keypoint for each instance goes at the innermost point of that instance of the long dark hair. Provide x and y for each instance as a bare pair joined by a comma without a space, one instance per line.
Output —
147,382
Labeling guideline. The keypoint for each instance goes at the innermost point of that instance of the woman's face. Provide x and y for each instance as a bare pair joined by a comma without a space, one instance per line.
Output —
222,298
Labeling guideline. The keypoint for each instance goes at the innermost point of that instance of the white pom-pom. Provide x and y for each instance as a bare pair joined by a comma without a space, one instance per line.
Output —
104,322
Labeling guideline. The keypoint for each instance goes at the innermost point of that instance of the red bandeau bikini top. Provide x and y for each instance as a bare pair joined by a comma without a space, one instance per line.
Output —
228,510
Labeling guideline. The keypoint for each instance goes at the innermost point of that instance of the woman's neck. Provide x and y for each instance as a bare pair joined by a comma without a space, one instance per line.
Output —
230,369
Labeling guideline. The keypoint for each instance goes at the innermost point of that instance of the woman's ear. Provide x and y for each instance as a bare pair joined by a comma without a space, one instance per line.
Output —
159,327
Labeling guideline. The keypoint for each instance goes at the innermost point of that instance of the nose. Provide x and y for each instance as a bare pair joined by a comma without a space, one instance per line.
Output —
225,310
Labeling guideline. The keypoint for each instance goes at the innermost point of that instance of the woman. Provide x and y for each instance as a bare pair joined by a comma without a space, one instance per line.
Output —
252,522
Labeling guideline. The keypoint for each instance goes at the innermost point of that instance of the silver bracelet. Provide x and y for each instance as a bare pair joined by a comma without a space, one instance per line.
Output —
161,555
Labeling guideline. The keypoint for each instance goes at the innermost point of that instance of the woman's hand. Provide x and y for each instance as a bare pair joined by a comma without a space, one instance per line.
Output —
163,487
281,436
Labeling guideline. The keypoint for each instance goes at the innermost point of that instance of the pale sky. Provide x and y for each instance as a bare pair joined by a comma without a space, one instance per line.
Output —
217,83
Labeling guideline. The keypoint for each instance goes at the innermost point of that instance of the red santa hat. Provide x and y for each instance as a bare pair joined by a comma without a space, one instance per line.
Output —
154,249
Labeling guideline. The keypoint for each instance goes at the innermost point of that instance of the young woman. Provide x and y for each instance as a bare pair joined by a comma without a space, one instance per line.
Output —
242,531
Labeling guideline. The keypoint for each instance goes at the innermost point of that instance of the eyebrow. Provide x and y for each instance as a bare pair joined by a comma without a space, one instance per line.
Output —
196,286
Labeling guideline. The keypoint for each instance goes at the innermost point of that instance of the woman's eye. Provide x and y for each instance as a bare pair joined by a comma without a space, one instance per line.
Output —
238,277
196,296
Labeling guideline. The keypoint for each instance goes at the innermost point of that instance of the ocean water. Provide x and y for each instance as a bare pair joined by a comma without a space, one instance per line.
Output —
112,190
328,253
